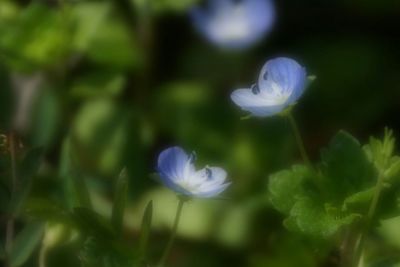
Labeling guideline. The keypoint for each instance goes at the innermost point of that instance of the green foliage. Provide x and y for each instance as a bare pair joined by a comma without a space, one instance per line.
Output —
100,135
88,18
92,224
288,183
390,230
113,46
161,6
102,37
145,230
36,36
75,185
320,202
97,84
346,167
120,199
28,168
101,244
380,152
101,253
358,200
45,118
81,191
25,243
312,217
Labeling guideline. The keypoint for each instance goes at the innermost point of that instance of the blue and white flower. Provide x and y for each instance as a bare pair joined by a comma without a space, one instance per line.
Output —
177,171
281,83
235,24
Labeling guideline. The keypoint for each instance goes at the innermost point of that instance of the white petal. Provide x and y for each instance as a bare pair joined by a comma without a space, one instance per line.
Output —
214,192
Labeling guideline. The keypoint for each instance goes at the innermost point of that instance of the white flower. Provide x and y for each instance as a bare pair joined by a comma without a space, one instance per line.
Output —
177,172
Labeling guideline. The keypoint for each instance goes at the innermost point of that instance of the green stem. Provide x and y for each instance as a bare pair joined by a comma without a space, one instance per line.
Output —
370,215
299,140
14,183
43,255
173,234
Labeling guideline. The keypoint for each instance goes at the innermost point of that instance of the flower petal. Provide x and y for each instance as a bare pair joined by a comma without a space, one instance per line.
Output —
214,192
217,6
174,164
214,183
257,104
234,24
262,13
200,19
246,98
289,75
216,174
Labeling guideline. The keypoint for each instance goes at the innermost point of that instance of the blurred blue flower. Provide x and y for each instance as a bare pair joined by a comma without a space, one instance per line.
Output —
177,171
281,83
234,24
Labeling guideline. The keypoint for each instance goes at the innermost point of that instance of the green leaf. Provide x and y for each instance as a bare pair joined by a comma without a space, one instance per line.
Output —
390,230
56,234
121,195
100,134
31,163
47,209
75,185
388,261
92,224
76,190
98,84
145,230
81,190
392,173
88,17
65,173
27,169
359,200
114,46
346,168
291,224
312,218
320,202
102,252
286,186
38,36
46,116
310,80
25,243
380,151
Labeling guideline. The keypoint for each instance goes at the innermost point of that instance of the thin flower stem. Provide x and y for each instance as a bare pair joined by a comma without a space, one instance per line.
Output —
299,140
173,234
370,215
14,184
43,256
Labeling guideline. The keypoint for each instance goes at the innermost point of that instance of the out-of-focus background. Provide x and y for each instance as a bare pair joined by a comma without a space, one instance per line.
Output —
115,82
